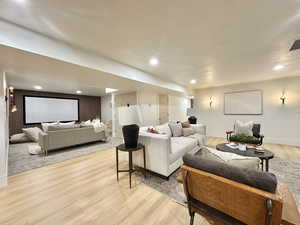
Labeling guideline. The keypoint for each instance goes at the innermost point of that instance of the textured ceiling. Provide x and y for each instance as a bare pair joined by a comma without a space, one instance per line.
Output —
216,42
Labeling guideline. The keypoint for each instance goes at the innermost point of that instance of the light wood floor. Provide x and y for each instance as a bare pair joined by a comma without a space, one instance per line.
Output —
84,191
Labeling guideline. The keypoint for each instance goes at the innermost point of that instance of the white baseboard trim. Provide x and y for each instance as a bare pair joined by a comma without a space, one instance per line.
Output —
3,181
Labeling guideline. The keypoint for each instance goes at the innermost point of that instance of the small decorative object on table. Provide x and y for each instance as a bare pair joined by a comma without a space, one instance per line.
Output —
242,147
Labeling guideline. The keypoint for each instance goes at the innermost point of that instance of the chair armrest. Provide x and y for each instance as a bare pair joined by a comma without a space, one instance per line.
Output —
199,128
229,132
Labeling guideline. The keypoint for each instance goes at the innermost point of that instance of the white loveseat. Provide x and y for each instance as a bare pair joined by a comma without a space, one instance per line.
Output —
164,152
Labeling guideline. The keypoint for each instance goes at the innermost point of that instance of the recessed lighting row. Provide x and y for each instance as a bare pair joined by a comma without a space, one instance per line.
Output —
38,87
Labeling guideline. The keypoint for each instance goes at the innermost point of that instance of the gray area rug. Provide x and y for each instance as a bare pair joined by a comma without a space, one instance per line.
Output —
19,159
286,171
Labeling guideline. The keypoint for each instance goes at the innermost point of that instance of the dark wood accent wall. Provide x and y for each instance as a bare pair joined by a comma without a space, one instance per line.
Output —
90,108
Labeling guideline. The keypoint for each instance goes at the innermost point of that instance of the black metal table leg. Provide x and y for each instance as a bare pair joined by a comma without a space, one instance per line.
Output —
262,164
267,165
130,167
144,154
117,162
130,170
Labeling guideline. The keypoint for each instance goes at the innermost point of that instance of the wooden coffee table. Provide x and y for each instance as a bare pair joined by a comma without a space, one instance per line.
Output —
250,152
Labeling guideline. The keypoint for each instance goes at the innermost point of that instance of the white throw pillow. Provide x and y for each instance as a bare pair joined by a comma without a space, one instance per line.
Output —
19,138
243,128
176,129
164,129
46,125
32,133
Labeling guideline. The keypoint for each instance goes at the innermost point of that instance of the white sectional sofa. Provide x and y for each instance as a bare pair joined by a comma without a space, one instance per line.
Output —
164,152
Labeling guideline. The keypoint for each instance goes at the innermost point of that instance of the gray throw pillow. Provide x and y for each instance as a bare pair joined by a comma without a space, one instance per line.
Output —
176,129
32,133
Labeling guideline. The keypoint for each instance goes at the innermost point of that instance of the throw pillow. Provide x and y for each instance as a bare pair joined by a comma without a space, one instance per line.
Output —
62,126
243,128
87,123
32,133
185,125
187,131
164,129
46,125
152,130
176,129
19,138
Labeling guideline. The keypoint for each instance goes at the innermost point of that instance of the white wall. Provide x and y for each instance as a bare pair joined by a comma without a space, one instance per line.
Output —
3,132
149,107
178,108
106,108
280,123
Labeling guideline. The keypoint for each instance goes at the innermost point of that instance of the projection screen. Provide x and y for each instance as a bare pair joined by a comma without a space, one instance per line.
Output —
48,109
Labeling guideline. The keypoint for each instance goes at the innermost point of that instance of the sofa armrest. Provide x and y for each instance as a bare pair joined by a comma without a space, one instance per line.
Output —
199,128
158,149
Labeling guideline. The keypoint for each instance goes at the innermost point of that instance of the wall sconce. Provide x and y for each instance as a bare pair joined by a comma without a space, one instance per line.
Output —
12,97
210,102
283,98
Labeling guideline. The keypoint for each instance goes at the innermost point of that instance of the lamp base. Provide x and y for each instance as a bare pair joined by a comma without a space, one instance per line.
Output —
131,135
192,120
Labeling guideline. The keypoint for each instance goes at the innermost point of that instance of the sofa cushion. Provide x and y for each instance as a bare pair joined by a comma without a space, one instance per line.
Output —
176,129
261,180
180,146
62,126
199,137
46,125
187,131
164,129
240,161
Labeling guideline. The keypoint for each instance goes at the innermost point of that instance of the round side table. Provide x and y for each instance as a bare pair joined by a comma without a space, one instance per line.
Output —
130,170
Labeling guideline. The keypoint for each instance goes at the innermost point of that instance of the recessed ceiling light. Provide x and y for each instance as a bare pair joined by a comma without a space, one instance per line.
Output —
20,1
38,87
153,61
278,67
193,81
78,92
110,90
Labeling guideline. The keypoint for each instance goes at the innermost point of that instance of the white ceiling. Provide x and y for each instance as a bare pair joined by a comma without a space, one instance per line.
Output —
216,42
25,70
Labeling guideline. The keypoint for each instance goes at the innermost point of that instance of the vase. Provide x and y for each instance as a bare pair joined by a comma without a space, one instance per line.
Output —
131,135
